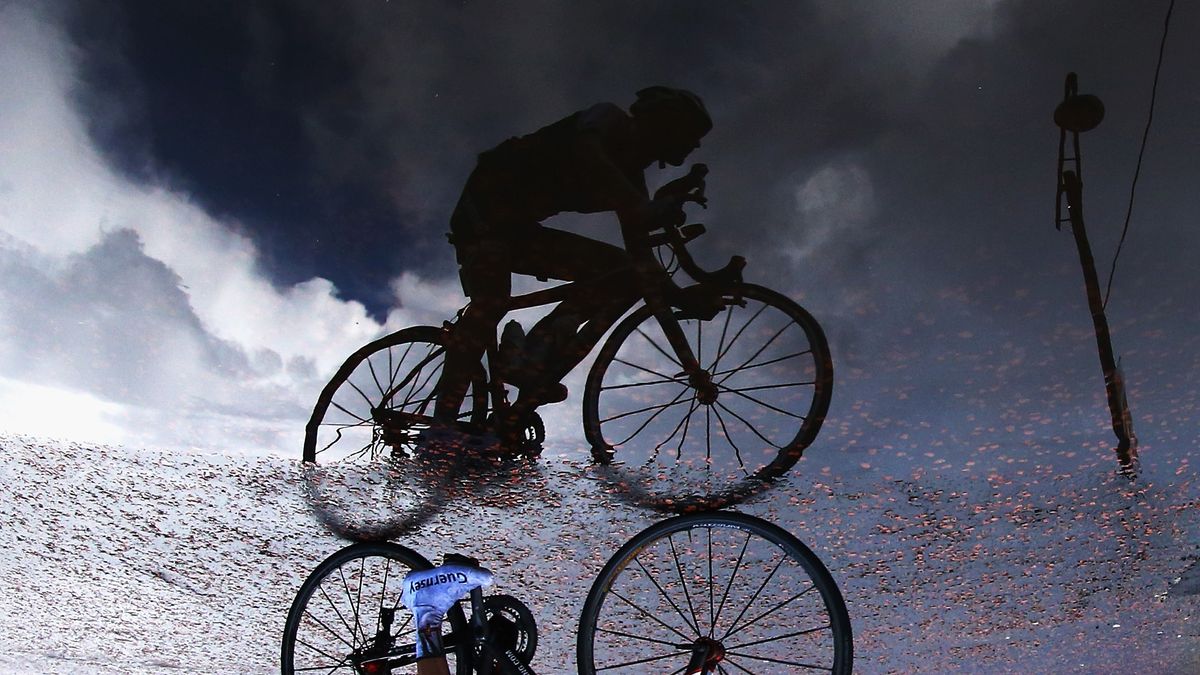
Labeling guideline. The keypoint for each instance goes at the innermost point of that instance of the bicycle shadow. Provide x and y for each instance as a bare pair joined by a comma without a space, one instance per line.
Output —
662,494
395,497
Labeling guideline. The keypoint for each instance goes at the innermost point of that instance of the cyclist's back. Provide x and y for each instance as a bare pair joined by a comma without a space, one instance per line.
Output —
527,179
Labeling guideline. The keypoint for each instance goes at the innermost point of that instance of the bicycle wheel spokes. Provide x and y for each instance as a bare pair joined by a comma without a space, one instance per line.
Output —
397,378
338,614
383,398
709,441
363,474
750,594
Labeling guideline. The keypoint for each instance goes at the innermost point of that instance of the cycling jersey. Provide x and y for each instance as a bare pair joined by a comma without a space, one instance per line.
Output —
527,179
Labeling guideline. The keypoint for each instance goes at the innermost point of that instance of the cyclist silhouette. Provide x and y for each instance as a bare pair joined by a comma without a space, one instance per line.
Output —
591,161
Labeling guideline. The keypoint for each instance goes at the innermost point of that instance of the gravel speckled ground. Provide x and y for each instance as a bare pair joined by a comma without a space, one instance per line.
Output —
136,561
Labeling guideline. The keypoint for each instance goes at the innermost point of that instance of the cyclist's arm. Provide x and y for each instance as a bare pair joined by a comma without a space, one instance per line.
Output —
627,196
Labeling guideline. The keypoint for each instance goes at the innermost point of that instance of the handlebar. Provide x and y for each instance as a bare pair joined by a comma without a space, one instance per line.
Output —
667,229
677,239
686,234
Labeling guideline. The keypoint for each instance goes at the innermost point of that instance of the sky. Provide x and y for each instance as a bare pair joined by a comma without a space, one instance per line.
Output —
204,207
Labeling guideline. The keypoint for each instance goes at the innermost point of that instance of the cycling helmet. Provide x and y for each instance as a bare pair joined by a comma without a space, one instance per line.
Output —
670,108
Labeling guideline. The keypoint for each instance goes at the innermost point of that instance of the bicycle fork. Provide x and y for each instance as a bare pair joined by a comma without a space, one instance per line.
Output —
698,378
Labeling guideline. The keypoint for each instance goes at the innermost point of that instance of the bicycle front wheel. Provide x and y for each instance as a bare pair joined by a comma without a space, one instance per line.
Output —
685,443
714,593
347,616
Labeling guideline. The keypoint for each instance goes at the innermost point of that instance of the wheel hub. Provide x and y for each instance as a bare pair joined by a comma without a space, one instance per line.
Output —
395,427
706,654
706,389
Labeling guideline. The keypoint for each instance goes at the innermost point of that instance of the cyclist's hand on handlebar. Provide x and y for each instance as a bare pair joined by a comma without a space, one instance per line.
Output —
662,212
666,209
691,186
697,197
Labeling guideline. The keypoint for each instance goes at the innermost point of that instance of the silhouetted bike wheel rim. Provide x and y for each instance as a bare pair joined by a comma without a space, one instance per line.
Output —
337,612
363,473
727,591
676,450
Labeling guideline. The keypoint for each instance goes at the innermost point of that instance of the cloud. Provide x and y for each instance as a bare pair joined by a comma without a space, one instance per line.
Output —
917,33
151,318
834,204
421,301
27,408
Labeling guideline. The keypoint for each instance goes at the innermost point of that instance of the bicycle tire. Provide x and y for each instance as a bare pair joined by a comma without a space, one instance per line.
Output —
323,633
363,475
354,392
705,562
768,408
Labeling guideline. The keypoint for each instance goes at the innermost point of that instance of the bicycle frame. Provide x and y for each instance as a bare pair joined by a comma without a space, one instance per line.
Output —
482,651
485,656
585,340
656,292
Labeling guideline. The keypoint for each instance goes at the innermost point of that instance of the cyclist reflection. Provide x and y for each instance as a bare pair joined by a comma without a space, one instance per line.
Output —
591,161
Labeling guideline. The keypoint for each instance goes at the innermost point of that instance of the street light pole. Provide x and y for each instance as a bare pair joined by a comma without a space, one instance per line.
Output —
1078,113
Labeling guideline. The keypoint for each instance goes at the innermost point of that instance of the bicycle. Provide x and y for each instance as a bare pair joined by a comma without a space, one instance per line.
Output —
693,402
699,593
347,630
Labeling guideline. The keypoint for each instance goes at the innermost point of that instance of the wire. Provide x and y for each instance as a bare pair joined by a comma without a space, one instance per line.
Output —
1138,169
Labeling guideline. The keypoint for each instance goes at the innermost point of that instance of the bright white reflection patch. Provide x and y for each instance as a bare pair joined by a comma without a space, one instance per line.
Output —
49,411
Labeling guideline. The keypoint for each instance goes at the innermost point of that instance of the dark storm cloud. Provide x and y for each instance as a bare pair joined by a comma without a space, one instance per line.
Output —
439,85
887,163
340,134
968,180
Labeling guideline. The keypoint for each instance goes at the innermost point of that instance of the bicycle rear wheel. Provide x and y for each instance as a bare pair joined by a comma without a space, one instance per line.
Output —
682,444
714,593
364,478
383,397
336,623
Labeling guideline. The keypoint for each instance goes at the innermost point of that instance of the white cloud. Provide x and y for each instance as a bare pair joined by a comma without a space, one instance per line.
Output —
421,301
148,319
27,408
834,204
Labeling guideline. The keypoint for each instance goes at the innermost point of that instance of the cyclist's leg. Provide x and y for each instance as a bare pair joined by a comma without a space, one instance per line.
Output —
433,665
547,252
483,263
571,257
429,594
486,280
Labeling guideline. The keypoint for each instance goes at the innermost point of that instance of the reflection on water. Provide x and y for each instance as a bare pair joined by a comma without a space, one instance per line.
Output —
383,499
